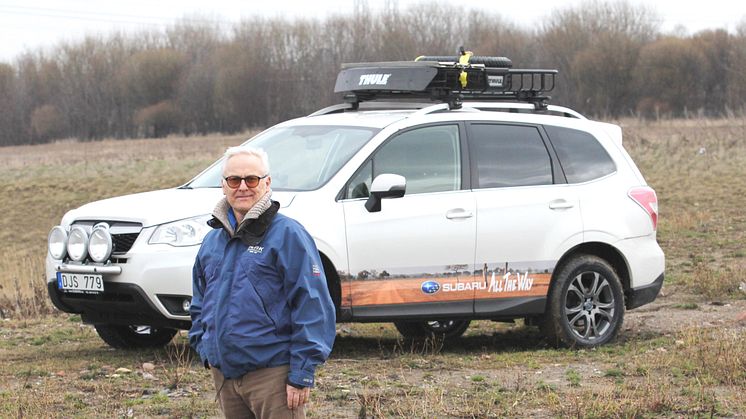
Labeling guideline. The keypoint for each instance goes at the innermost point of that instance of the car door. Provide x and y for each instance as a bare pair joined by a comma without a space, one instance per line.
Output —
527,216
408,258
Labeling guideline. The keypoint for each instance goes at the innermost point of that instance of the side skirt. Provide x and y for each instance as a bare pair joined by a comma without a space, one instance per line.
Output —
488,309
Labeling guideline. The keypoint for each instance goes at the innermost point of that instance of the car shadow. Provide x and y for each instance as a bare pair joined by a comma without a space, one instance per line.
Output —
520,339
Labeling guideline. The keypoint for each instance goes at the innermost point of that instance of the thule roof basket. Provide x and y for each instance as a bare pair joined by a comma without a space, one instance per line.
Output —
445,79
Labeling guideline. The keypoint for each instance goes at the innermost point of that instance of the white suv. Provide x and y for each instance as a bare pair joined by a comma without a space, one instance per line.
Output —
488,204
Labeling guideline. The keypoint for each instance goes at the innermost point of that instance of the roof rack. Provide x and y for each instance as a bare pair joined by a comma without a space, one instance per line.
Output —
445,79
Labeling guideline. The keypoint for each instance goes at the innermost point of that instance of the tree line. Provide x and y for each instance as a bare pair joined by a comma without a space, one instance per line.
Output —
196,77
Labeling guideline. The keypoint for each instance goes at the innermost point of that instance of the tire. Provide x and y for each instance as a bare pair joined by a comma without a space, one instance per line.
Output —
445,329
500,62
586,304
134,337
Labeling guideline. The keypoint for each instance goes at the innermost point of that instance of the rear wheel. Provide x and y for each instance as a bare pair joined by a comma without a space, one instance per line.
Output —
134,337
586,304
446,329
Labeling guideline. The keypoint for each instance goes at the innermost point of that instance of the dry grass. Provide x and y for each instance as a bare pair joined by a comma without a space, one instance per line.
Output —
697,169
696,166
40,183
55,367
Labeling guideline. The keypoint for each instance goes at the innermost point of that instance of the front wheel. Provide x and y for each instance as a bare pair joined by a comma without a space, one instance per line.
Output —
134,337
586,304
446,329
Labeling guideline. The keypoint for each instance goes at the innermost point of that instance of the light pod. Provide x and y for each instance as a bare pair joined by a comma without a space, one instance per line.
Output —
57,243
77,244
100,244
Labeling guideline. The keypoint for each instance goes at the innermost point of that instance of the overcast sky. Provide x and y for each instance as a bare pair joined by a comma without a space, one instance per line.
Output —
33,24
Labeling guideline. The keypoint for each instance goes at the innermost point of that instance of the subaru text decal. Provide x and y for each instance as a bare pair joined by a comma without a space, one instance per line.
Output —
430,287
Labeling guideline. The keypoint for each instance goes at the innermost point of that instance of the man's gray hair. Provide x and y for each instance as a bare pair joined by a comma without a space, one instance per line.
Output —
251,151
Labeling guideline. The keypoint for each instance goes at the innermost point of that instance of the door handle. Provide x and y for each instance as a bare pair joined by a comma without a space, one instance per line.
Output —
458,213
560,204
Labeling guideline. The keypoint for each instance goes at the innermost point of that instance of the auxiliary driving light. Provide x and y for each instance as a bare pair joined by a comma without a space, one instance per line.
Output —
77,243
57,243
186,304
99,245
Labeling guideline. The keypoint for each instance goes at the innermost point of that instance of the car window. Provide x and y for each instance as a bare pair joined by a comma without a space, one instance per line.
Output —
301,157
359,187
429,158
508,155
581,156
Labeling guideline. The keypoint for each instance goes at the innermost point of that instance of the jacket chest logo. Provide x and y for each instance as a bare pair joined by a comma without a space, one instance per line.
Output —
255,249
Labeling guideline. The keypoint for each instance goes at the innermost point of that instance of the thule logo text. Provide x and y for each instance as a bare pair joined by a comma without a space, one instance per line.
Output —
368,79
495,81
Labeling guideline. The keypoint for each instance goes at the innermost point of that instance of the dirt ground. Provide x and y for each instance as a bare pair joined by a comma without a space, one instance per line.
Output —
58,366
515,361
674,311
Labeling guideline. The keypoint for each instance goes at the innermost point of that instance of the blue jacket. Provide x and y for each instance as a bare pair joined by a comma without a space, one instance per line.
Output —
260,299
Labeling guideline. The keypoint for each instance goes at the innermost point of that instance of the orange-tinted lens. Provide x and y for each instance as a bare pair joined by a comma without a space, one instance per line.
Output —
251,181
234,182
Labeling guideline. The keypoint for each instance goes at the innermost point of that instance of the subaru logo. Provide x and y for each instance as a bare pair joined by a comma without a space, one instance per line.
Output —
430,287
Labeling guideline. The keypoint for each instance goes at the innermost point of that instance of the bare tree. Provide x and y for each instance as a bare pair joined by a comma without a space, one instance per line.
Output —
572,40
11,132
736,90
717,49
672,70
198,76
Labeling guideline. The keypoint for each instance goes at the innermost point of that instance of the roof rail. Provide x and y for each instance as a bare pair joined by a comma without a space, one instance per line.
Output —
431,109
523,107
382,105
448,80
341,107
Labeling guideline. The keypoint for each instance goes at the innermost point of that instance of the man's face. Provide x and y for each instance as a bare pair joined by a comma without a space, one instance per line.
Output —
242,198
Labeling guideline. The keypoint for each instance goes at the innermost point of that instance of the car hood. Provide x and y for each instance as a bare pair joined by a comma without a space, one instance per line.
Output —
158,207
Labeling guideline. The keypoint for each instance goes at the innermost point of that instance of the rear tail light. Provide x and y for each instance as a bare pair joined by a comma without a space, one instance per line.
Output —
646,198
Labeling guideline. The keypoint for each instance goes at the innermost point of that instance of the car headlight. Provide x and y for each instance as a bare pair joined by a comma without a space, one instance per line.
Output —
77,243
187,232
99,245
57,243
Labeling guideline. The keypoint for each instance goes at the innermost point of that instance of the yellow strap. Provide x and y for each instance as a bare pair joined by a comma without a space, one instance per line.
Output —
465,57
464,61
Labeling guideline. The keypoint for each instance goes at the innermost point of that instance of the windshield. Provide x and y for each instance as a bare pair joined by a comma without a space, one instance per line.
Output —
301,158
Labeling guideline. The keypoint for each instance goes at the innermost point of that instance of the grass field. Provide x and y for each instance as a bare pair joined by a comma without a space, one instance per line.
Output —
681,356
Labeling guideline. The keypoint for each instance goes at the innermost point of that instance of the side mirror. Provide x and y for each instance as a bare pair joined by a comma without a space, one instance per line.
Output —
385,185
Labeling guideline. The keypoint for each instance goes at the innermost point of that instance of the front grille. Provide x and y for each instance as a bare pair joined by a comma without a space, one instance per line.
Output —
123,233
123,242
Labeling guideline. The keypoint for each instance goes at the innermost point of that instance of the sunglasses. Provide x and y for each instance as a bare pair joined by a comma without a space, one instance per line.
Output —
234,182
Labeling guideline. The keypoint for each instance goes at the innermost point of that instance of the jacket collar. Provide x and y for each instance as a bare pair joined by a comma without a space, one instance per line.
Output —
252,228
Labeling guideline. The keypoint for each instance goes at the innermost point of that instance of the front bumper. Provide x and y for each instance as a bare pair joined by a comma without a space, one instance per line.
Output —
145,286
122,304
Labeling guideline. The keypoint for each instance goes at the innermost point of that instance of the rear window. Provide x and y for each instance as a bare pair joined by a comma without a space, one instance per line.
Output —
581,156
509,155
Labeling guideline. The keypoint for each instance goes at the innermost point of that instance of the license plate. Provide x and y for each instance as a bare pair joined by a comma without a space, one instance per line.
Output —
82,283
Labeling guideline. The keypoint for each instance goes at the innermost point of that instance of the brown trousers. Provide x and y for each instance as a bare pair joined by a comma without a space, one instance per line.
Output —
258,394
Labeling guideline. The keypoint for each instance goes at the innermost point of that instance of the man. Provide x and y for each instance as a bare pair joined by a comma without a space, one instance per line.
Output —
262,318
